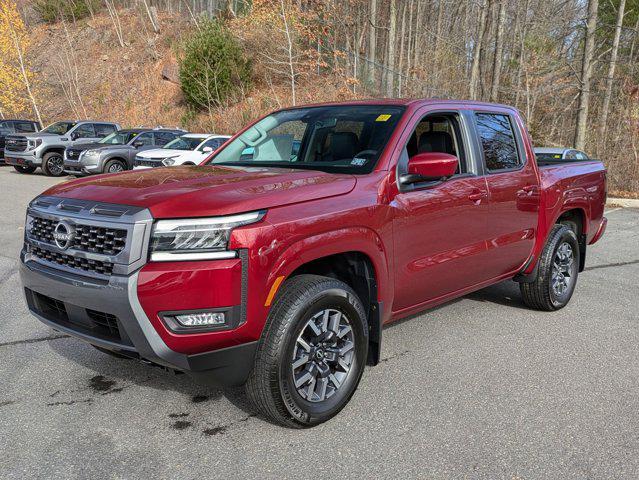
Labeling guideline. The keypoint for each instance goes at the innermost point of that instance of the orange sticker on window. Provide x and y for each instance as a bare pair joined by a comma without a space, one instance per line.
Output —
383,117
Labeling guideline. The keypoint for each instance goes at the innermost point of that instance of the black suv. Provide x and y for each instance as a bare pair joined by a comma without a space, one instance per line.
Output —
9,127
115,152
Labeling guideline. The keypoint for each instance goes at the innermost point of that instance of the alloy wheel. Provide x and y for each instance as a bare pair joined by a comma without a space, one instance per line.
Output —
323,355
56,165
562,269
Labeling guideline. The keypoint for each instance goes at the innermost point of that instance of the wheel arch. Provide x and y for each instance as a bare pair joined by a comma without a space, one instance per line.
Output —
356,257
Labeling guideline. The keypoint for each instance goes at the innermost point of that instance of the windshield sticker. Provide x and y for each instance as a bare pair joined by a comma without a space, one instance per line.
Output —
557,156
358,162
383,117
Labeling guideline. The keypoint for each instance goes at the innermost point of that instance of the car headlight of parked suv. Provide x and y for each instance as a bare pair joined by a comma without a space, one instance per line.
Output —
197,238
33,144
168,161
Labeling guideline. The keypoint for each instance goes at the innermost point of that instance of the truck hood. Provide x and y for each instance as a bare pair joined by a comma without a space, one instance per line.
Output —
200,191
162,153
33,135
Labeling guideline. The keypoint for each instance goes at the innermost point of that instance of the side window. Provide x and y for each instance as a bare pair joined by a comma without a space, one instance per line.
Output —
162,138
143,139
497,141
84,131
214,143
103,129
25,127
581,156
438,133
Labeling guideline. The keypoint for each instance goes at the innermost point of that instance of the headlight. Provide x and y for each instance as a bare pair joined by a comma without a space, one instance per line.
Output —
31,144
196,238
168,161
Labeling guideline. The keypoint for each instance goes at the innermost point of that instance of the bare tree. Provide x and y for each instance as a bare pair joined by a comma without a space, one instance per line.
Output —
477,48
586,74
115,19
390,56
611,75
20,54
499,51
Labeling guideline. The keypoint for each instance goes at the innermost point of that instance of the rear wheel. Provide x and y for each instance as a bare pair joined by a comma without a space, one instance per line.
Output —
312,353
114,166
53,164
557,272
24,169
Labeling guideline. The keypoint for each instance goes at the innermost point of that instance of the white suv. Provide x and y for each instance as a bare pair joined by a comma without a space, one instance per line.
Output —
188,149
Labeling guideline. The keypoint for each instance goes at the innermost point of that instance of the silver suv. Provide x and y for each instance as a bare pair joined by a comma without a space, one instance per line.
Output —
45,148
115,153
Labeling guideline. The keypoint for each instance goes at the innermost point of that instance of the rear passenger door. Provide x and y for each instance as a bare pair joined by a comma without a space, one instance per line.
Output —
513,187
103,129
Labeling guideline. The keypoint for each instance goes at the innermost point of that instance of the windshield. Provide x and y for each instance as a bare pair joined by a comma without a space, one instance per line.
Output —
184,143
59,128
344,138
119,138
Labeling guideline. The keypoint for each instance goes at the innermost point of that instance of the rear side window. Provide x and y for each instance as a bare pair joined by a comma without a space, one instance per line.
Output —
162,138
497,141
25,127
85,131
103,129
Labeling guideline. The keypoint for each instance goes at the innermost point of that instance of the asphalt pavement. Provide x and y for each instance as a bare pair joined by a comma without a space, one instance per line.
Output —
481,387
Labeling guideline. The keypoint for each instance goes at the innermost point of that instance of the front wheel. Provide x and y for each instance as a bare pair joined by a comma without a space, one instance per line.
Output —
53,164
114,166
312,353
557,272
24,169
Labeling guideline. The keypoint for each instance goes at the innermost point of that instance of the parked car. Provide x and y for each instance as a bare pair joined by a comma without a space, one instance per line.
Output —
189,149
279,271
552,153
10,126
45,148
115,153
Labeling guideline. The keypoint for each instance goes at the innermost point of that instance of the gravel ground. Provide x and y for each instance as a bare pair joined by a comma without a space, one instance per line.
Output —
478,388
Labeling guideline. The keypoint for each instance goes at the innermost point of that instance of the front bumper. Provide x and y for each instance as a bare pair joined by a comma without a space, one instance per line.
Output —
23,159
108,314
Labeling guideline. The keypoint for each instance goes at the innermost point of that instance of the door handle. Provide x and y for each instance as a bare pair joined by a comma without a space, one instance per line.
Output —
526,191
477,197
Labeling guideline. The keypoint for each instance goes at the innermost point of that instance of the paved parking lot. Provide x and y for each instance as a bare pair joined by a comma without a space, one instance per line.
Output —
478,388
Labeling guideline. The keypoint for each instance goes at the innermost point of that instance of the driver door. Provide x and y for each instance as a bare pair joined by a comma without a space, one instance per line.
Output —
439,228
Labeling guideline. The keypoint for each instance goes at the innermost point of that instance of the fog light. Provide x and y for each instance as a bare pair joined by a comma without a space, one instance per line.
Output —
203,319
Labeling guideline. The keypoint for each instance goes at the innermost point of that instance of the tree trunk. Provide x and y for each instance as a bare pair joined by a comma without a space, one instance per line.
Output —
372,43
611,74
474,69
390,58
499,49
586,74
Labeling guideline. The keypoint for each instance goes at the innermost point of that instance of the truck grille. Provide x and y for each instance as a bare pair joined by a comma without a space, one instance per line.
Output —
147,163
15,144
73,154
105,241
86,264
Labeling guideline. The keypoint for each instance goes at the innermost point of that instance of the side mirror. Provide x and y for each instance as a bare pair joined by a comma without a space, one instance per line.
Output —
138,144
74,136
429,167
207,150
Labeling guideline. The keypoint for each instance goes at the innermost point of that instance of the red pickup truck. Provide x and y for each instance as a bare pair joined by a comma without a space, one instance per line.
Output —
277,261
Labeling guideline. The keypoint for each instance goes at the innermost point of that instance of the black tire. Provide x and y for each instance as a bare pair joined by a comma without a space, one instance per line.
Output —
114,166
545,293
24,169
271,385
53,164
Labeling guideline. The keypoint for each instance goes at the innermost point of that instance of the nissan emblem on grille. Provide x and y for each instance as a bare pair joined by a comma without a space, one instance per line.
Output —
63,234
